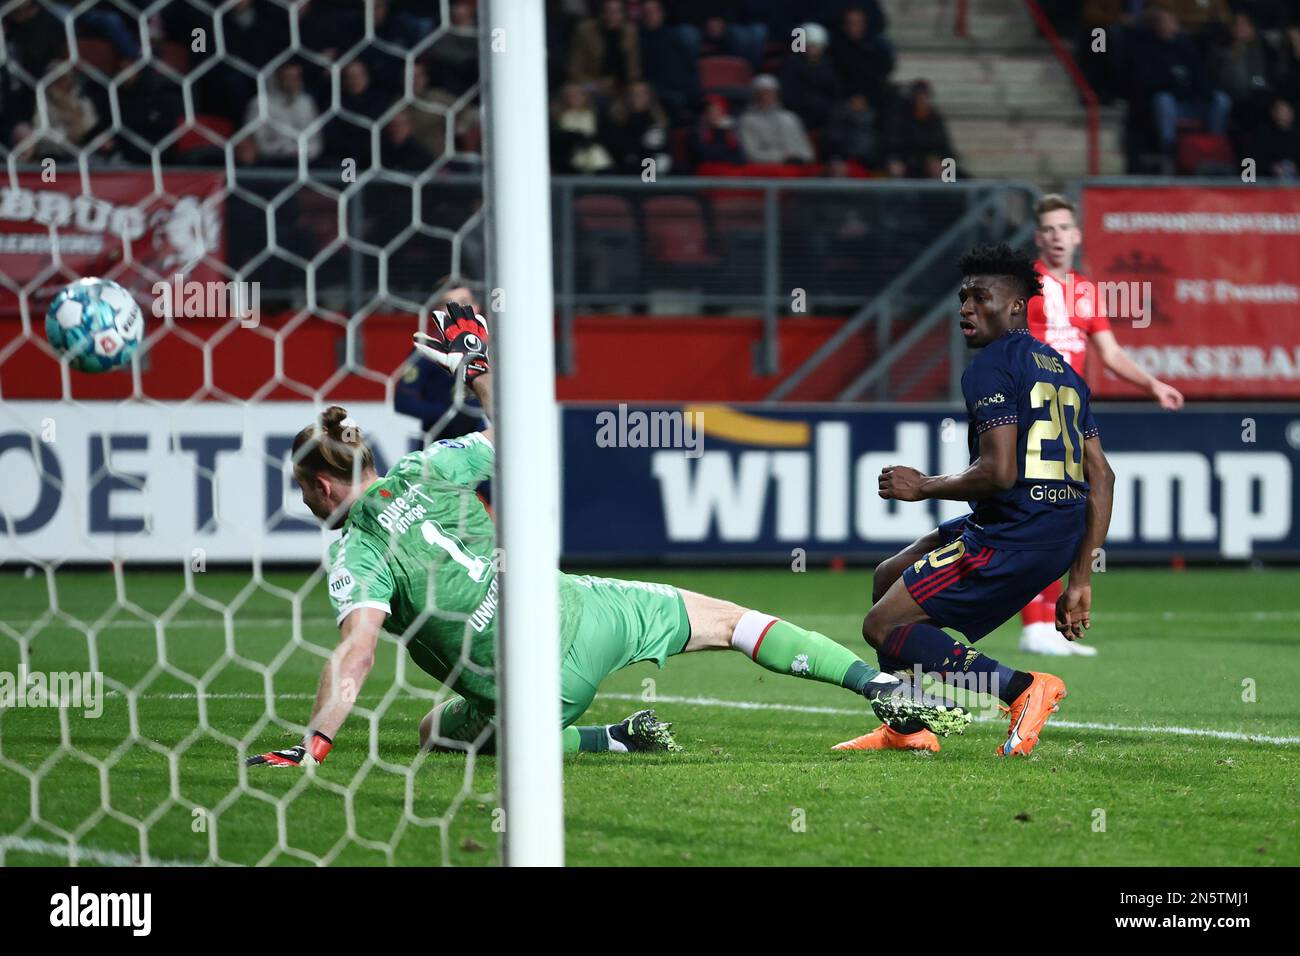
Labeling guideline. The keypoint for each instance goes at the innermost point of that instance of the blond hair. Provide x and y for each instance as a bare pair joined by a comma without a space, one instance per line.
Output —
333,445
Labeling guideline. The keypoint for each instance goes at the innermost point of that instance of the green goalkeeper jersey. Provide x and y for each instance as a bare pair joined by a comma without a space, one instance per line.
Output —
420,546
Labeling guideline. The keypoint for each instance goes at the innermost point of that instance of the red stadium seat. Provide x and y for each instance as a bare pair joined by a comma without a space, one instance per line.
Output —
604,213
675,231
738,214
724,73
219,129
100,54
1205,153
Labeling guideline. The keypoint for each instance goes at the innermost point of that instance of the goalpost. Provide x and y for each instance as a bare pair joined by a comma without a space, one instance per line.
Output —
110,486
512,51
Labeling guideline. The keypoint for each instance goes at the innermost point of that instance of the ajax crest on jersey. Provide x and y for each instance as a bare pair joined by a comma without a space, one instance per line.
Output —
95,323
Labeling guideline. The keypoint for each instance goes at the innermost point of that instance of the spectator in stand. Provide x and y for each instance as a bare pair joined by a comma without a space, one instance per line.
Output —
429,111
861,53
575,128
347,138
666,60
453,60
809,83
289,113
1171,75
918,142
716,140
399,150
254,34
72,121
722,28
606,51
151,106
34,37
637,129
853,134
769,133
1275,146
1243,68
1288,75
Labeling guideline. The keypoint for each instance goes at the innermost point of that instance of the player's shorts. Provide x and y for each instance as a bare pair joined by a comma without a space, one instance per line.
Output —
973,588
623,622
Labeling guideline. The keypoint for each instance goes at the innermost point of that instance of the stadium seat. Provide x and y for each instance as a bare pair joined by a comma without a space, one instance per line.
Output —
675,232
607,242
101,54
724,73
218,127
1206,154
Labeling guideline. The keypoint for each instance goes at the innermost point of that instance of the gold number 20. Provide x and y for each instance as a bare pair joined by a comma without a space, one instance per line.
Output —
1052,429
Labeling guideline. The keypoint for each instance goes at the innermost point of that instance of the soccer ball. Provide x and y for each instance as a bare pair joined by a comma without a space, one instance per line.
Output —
96,324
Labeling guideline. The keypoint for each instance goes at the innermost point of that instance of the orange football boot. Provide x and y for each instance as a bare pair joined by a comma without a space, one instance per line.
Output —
886,738
1030,711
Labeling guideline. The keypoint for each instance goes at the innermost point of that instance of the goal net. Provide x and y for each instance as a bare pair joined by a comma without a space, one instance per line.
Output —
288,190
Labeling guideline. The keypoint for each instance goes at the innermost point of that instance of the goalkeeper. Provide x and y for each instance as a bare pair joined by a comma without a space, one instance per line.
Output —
416,559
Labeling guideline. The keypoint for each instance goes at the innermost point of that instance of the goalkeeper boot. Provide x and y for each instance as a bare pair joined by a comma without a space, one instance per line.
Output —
886,738
645,731
1029,712
899,703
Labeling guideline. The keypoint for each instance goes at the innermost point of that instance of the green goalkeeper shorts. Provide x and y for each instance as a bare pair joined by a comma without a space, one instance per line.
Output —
623,622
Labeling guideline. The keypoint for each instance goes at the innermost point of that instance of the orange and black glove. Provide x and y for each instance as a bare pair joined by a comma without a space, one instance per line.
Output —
311,752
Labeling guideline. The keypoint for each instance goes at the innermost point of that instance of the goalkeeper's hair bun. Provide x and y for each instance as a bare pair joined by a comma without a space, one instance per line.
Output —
333,445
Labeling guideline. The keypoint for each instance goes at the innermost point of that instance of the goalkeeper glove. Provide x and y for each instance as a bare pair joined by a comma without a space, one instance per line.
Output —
312,752
460,344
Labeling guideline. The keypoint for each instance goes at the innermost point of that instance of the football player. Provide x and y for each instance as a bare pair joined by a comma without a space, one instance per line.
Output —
1040,491
416,559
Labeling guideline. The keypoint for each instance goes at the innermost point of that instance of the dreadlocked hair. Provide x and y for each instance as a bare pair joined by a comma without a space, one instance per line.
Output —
1002,260
333,445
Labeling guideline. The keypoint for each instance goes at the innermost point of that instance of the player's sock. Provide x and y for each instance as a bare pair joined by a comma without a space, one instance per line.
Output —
789,649
938,653
592,740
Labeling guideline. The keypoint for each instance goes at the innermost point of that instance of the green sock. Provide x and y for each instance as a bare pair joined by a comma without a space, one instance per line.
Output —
592,740
786,648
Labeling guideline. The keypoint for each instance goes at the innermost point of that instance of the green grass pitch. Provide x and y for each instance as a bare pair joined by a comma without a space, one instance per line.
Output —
1215,650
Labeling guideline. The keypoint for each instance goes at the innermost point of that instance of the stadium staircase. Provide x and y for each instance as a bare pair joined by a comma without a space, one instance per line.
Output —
1012,110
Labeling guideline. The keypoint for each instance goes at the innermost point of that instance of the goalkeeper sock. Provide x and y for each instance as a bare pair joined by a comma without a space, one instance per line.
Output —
785,648
938,653
592,740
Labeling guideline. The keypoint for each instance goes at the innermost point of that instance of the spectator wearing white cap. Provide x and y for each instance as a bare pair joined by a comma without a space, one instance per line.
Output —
809,84
769,133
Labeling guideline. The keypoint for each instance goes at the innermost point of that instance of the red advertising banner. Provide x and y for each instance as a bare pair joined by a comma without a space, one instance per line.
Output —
1223,295
120,226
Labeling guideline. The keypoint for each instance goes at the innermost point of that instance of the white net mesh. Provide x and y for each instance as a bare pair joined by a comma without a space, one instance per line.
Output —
165,610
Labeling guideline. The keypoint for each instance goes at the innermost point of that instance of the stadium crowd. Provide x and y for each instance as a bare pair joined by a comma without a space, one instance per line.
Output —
713,86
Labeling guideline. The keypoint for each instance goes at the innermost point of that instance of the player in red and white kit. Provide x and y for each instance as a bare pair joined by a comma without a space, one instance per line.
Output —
1067,316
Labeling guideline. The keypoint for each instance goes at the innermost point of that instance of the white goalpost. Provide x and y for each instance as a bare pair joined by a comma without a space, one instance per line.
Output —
517,190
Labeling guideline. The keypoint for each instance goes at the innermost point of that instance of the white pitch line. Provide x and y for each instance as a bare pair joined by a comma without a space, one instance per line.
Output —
1174,730
82,854
1071,724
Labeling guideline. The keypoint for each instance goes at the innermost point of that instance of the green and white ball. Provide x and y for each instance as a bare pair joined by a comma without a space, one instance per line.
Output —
96,324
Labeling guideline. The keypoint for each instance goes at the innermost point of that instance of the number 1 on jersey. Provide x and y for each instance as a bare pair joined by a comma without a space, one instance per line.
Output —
477,567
